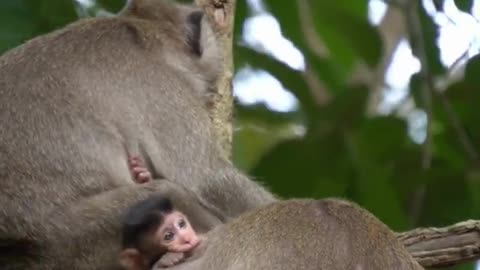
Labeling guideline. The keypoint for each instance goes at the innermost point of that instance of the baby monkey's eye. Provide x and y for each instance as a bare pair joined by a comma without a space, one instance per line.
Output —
168,236
182,223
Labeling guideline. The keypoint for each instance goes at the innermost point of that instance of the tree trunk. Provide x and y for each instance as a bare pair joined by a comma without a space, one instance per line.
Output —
221,16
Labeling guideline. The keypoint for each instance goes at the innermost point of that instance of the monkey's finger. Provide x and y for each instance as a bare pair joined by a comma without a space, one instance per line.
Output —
143,177
134,161
139,169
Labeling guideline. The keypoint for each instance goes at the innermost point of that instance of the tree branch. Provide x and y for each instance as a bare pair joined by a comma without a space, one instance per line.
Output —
441,247
317,46
392,30
419,48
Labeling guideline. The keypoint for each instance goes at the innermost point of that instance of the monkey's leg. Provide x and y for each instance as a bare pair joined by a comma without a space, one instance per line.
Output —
88,230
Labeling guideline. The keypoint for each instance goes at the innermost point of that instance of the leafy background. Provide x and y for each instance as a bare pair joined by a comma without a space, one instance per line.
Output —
337,142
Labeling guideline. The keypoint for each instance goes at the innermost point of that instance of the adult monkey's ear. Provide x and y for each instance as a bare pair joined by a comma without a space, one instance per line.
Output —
195,32
131,259
203,43
200,34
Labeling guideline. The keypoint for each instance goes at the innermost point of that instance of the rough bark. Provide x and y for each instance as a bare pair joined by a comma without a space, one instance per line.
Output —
221,16
441,247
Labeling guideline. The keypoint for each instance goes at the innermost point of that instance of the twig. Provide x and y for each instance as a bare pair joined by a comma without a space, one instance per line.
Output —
458,61
418,46
462,135
392,30
316,45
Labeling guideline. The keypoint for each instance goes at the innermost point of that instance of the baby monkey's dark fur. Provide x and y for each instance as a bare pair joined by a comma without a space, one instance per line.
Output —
142,217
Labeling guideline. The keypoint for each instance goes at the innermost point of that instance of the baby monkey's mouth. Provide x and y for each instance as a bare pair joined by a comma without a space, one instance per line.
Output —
193,247
187,247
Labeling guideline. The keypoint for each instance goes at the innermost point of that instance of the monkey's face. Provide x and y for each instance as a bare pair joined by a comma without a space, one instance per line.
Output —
176,234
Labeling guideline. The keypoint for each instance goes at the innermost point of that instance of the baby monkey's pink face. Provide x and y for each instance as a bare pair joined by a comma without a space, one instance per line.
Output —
176,234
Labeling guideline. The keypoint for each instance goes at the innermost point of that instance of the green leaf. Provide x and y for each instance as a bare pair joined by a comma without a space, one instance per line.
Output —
331,73
463,98
373,152
335,41
304,168
345,111
344,31
458,101
249,144
464,5
16,23
51,15
253,138
446,147
384,137
472,70
112,5
447,197
260,113
463,266
473,180
408,177
375,191
241,14
20,20
357,8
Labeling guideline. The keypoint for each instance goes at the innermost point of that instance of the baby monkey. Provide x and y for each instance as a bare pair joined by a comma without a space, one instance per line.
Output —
155,235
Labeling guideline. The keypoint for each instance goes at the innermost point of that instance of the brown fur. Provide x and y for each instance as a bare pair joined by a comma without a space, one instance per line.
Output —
76,102
328,234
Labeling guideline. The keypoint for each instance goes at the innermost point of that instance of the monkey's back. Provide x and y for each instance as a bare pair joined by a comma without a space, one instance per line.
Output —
327,234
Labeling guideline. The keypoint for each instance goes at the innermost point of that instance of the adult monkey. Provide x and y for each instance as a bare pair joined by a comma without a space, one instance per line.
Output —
327,234
74,104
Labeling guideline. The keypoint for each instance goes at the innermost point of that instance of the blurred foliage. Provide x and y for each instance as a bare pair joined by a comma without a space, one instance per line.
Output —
346,152
332,148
